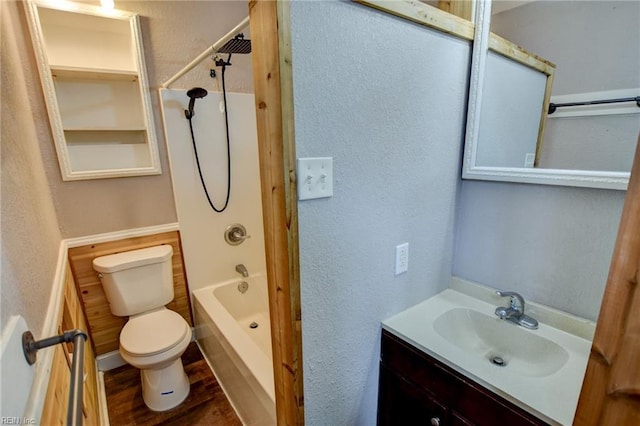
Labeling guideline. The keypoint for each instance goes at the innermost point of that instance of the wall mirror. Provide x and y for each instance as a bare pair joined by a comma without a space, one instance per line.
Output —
530,56
92,70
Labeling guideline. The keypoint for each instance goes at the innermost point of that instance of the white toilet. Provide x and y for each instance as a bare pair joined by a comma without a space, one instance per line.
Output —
138,284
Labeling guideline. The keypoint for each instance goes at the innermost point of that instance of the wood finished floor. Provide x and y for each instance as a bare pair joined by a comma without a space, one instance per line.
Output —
205,405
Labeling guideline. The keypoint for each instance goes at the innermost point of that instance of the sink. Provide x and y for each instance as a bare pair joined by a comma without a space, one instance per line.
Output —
505,345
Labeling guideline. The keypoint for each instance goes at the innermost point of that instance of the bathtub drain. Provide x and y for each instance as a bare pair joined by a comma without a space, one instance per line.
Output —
253,325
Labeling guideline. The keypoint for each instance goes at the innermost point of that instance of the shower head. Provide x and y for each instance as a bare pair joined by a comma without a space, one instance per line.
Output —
193,94
238,44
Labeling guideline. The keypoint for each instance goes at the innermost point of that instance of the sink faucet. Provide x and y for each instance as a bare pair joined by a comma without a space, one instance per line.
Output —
515,311
242,270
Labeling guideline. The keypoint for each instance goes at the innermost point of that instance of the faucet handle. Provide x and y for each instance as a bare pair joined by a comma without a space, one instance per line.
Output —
517,301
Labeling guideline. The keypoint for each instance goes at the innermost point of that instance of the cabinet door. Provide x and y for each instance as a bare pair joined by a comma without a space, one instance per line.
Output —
402,403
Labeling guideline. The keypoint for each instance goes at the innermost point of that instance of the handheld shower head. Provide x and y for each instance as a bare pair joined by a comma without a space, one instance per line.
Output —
193,94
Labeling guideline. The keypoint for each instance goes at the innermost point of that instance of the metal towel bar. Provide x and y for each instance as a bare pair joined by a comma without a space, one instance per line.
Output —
78,337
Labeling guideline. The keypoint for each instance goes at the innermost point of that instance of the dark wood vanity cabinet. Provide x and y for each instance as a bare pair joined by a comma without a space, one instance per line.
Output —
416,389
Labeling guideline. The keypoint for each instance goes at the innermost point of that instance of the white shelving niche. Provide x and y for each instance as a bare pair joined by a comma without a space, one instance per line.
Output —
91,65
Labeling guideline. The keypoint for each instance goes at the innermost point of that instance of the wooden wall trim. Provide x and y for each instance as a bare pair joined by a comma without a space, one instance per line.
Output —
611,388
104,327
425,15
270,33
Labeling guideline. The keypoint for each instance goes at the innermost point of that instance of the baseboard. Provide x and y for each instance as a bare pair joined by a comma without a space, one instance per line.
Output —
109,361
102,401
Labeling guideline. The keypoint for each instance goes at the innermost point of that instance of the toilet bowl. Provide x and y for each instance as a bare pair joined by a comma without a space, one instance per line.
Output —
154,343
138,284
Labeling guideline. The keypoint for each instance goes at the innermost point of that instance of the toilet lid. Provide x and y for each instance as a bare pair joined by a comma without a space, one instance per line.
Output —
152,333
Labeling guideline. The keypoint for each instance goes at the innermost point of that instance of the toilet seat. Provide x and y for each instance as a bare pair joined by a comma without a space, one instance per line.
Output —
153,333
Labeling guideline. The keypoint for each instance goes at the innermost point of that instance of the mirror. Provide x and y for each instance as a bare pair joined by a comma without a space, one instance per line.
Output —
511,136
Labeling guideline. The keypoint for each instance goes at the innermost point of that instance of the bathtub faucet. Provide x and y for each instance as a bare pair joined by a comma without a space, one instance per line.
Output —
242,270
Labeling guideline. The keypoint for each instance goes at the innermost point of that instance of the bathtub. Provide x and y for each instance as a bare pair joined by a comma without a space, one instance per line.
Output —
234,334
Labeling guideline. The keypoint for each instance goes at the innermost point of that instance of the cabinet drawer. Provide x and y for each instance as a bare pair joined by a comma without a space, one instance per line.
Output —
482,407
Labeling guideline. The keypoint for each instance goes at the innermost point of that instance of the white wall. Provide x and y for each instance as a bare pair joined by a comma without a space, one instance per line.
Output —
207,256
386,99
551,244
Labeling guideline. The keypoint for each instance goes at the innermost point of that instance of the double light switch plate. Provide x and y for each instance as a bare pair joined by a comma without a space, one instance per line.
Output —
315,178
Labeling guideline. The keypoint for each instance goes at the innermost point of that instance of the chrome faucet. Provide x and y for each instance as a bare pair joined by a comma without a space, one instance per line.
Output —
242,270
515,311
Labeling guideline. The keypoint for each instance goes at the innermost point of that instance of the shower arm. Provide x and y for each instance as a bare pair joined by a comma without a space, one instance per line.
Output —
207,53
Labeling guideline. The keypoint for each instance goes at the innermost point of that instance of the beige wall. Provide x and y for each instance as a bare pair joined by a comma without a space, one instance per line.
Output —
29,227
38,208
174,32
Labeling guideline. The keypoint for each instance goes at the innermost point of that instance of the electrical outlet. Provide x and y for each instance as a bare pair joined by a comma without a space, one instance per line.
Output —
402,258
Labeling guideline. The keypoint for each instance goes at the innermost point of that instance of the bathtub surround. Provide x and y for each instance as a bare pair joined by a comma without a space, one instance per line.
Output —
208,257
386,99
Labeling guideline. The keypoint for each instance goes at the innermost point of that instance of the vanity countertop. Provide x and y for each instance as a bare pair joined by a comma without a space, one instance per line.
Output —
552,396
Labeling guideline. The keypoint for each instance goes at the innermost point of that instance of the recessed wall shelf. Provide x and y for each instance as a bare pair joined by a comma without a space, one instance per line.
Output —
92,69
74,73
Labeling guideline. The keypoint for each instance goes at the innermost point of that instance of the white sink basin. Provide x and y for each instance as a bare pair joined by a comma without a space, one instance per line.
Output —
503,344
543,368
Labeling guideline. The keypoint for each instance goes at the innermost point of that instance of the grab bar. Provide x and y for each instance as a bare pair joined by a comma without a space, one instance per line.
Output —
30,347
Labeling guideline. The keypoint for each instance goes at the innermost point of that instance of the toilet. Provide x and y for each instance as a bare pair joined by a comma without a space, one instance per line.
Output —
138,284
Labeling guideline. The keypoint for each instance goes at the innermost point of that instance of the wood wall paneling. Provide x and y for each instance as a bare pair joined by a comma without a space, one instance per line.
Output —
611,388
105,327
56,400
274,117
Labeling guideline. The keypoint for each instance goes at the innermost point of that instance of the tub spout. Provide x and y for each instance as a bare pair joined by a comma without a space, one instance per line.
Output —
242,270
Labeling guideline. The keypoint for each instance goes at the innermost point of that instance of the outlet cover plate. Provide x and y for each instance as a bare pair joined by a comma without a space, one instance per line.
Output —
402,258
315,178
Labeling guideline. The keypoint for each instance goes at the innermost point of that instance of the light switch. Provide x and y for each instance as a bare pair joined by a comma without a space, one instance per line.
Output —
315,178
529,160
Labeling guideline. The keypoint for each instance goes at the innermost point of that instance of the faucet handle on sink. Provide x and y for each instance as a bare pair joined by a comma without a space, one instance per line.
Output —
517,301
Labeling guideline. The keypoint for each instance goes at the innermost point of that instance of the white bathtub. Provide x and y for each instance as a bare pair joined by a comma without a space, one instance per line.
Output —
240,355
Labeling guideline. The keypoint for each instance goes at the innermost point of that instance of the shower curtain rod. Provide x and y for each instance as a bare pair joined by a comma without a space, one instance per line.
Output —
552,106
204,55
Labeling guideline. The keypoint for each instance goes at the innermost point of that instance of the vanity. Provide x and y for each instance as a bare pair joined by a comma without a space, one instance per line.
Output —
451,361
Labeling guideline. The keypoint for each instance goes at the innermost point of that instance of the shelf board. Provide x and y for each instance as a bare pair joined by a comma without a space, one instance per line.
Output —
66,72
106,129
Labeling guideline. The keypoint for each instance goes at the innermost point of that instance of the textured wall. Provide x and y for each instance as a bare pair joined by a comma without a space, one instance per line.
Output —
30,235
174,32
551,244
386,99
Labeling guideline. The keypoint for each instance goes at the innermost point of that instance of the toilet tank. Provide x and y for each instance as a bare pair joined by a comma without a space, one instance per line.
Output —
136,281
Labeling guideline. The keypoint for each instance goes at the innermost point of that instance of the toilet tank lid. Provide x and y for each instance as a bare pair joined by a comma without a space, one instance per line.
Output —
131,259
